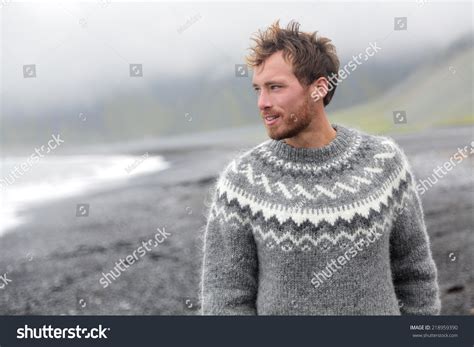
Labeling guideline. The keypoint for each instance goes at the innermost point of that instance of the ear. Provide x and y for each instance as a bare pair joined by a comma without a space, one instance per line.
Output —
319,89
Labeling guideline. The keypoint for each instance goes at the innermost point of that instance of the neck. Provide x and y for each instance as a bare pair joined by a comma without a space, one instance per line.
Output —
318,134
341,144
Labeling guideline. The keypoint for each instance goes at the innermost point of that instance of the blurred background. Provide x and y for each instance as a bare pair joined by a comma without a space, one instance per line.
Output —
116,118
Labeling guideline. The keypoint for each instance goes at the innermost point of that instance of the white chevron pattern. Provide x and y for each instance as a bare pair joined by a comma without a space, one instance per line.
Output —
353,186
306,242
282,212
287,241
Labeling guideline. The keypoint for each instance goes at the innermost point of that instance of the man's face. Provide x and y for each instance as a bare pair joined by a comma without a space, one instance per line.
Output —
280,94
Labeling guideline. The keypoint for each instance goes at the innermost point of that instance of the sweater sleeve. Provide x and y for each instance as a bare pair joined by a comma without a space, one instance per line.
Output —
230,267
413,269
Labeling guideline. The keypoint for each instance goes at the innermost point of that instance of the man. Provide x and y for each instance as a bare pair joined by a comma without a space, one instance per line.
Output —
320,219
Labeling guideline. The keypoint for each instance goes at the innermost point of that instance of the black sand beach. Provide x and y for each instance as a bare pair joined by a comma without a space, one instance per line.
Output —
55,260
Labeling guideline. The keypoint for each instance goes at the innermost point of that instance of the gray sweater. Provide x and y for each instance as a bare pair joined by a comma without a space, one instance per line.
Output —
337,230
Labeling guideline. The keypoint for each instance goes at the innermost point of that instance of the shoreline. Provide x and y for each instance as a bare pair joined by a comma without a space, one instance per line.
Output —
55,261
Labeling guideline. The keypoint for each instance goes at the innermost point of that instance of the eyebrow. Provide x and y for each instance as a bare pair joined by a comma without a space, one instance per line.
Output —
268,83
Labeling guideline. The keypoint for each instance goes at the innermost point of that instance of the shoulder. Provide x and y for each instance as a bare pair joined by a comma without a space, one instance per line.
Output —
243,156
383,147
242,159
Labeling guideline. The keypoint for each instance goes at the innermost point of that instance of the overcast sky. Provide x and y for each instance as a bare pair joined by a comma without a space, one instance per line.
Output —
83,50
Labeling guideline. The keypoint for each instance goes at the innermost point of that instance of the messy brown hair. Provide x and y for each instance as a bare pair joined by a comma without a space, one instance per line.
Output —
312,56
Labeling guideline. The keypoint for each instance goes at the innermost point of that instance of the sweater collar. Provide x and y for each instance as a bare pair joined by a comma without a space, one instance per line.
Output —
336,147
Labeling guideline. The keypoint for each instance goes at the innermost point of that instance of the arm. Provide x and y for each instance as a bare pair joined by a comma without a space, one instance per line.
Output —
230,266
413,269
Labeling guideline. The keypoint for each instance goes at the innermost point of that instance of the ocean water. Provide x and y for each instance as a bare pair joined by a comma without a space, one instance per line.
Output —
56,177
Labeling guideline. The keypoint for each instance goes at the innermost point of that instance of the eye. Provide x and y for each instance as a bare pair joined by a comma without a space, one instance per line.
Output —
274,86
256,90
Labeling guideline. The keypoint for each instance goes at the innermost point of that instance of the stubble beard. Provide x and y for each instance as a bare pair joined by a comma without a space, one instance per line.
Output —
293,123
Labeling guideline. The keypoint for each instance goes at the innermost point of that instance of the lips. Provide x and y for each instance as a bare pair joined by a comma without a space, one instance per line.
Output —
271,119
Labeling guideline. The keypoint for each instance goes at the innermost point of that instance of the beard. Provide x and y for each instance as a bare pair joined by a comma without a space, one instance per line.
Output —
294,123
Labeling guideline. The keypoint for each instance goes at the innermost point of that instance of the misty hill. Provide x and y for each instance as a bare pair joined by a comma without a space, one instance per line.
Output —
438,93
434,88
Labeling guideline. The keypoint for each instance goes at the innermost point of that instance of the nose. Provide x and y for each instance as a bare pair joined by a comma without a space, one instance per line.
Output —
264,101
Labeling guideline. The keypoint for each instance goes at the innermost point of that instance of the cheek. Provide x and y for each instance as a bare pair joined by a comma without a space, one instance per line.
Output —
286,103
294,100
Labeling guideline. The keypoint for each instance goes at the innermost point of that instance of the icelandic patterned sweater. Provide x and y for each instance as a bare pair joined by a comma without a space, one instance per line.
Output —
335,230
